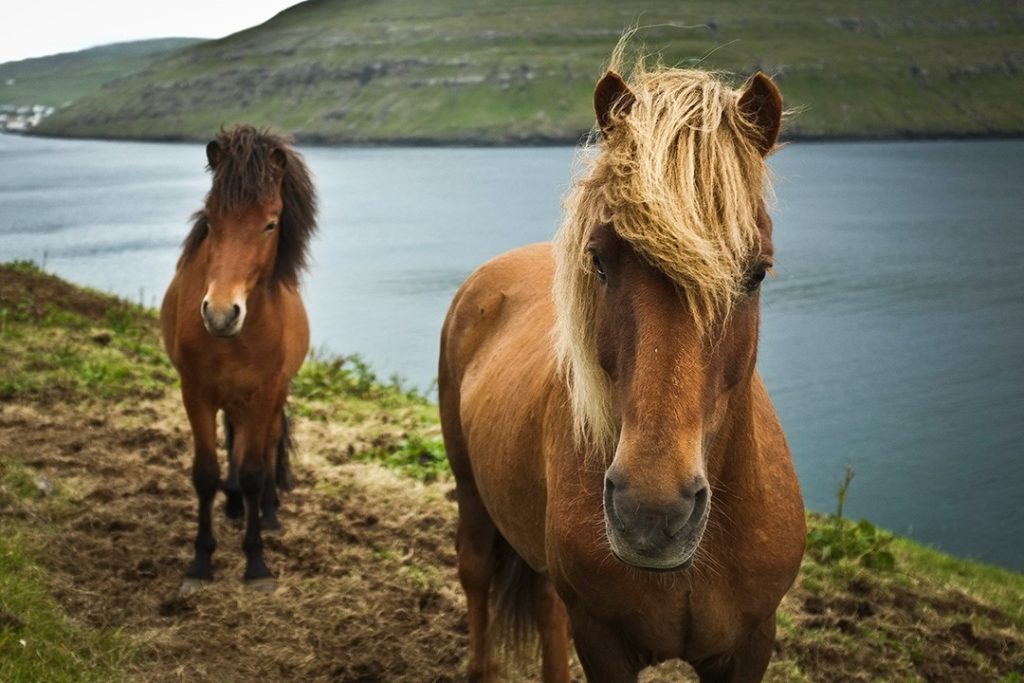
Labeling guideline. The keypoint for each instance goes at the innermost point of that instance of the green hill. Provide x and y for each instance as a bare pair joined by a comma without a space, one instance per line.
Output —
59,79
478,71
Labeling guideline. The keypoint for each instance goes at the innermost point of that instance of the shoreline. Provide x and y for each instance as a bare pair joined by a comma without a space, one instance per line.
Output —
538,141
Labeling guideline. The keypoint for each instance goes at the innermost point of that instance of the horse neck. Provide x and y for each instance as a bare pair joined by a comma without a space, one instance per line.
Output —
264,296
734,452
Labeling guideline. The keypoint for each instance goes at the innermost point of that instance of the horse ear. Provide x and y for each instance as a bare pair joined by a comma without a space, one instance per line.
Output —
612,97
279,159
761,102
213,153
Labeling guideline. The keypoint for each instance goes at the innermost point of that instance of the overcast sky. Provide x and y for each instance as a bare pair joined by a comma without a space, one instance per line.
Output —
34,28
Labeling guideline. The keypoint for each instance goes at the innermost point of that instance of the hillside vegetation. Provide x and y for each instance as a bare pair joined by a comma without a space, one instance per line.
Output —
522,71
97,519
60,79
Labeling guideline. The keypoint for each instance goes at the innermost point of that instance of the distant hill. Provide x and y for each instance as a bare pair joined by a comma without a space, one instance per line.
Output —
59,79
480,72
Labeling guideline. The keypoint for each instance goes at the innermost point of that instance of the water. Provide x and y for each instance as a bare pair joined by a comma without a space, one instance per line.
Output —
892,333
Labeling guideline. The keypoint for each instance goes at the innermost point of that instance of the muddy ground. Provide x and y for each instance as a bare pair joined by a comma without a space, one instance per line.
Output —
367,587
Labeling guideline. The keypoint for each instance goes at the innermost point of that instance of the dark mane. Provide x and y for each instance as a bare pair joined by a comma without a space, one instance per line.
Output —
248,165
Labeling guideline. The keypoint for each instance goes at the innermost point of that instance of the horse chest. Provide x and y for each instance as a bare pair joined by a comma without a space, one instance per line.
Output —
691,614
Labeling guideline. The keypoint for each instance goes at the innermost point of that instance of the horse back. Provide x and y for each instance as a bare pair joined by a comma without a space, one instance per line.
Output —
495,378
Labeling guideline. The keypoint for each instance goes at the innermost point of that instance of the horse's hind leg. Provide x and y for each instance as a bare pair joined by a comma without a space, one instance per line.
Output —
205,479
252,436
278,477
234,506
474,545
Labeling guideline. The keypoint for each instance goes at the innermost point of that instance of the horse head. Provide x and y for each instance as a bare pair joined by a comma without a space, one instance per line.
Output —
257,220
660,262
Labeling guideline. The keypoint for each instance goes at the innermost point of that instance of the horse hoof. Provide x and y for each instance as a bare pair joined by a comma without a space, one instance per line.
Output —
271,527
190,586
265,585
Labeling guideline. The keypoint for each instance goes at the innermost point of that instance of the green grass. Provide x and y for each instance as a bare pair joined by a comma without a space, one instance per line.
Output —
471,71
58,80
401,424
416,455
60,342
38,640
1001,588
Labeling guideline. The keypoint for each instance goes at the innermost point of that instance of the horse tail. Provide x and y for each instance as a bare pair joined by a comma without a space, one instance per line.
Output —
514,588
284,479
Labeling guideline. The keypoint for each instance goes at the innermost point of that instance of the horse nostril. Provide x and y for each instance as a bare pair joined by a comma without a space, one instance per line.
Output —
609,504
236,310
700,504
206,306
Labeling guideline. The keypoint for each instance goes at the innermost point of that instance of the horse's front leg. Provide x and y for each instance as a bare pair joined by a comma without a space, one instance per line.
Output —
254,432
746,663
205,478
603,654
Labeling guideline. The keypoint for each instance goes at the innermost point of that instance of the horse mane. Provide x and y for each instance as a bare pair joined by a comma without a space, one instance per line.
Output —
248,172
680,178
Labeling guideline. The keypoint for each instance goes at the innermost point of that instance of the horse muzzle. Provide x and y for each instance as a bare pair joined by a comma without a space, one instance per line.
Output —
658,536
223,321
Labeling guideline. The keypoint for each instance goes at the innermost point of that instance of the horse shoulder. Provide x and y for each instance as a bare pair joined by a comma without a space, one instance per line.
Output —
495,378
169,318
180,321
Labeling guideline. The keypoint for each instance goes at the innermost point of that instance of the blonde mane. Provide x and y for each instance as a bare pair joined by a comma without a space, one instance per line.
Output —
680,178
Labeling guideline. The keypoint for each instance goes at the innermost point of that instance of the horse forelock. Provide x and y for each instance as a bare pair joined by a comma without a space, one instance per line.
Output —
680,179
249,173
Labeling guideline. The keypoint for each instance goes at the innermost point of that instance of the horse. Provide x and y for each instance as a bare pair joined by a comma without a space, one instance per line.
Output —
236,330
621,476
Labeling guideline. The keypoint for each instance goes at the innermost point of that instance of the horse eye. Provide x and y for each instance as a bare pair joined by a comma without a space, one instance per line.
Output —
270,226
755,278
598,266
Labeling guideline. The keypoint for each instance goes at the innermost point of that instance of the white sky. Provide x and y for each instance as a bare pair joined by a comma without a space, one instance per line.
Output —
34,28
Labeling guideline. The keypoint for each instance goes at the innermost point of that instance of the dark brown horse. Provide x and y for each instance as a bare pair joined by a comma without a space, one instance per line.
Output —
621,474
235,328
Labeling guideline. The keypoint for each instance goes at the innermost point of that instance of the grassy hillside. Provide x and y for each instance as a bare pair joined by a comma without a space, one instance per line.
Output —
478,71
60,79
97,516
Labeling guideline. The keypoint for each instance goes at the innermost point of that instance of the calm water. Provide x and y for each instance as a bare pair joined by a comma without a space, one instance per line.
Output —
893,332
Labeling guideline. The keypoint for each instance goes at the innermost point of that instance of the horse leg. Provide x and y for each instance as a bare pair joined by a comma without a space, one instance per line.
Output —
275,452
205,479
474,545
253,435
602,652
553,624
268,508
234,507
747,662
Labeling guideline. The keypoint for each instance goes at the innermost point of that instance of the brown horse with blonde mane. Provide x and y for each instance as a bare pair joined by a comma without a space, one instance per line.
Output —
621,474
235,328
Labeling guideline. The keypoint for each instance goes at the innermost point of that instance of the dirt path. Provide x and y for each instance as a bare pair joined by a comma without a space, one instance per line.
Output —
367,583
